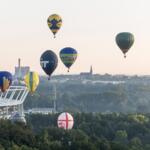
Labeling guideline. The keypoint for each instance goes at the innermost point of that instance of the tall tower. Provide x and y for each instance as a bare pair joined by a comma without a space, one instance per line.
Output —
91,70
21,71
19,63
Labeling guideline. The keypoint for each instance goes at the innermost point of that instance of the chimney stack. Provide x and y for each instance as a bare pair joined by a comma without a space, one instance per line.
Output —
19,62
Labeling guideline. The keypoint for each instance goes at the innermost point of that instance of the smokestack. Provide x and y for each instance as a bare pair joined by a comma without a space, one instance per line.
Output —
19,62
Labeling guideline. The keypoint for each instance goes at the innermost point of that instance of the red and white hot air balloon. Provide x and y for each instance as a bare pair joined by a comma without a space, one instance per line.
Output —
65,121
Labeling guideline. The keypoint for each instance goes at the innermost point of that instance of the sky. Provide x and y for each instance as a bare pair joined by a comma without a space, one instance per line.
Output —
89,26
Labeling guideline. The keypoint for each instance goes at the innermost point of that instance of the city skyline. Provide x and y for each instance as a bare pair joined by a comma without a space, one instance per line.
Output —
88,26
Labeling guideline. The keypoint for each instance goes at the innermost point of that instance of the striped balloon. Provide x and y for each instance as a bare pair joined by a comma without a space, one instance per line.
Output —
68,56
31,80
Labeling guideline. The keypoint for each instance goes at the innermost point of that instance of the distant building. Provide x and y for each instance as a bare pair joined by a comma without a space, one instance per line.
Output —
20,71
87,74
40,111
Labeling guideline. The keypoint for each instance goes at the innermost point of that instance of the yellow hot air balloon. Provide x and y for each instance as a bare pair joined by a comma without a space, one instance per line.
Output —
31,81
54,22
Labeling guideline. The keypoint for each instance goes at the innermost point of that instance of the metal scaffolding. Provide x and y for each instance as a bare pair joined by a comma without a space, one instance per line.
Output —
12,100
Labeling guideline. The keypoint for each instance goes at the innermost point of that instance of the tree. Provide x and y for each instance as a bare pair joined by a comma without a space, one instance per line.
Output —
121,136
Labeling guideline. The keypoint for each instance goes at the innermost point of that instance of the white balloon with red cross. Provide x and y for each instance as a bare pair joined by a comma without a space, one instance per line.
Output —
65,121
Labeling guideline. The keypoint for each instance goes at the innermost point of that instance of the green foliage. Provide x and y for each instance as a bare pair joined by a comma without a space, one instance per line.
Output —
121,136
139,118
92,131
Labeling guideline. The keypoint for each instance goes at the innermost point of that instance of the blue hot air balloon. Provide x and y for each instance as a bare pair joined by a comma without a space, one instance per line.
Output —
49,62
5,80
68,56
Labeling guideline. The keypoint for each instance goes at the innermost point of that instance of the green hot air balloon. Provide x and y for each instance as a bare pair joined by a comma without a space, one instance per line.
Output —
124,41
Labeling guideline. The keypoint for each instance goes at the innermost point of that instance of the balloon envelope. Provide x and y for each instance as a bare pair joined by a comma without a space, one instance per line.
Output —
65,121
54,22
68,56
124,41
49,62
32,81
5,80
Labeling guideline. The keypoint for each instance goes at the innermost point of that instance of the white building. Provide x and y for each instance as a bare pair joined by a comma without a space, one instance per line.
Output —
20,71
40,111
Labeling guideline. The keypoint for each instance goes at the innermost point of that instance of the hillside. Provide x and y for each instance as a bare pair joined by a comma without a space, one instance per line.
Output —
99,93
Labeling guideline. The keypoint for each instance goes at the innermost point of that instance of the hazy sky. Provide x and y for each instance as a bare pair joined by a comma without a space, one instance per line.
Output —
89,26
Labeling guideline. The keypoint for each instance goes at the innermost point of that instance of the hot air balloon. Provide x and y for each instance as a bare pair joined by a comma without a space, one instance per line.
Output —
124,41
54,22
68,56
32,81
65,121
5,80
49,62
